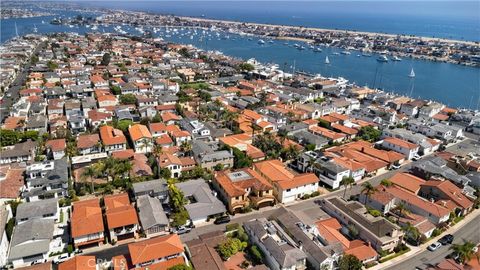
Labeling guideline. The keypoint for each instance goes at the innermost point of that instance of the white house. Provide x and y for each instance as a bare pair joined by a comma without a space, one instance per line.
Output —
410,150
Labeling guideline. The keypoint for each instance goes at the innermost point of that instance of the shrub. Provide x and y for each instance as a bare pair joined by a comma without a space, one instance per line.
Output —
257,255
230,247
314,194
232,227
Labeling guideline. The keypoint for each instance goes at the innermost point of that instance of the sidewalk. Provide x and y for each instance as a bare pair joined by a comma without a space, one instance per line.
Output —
416,250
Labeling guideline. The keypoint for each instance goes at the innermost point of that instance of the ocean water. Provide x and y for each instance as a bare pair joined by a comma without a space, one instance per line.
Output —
454,85
446,19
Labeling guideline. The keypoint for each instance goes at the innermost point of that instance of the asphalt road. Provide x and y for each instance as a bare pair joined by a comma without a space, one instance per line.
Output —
15,87
426,258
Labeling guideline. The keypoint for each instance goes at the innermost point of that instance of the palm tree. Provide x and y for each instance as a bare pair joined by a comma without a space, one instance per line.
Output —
368,190
412,232
347,182
186,147
386,183
464,251
401,210
310,163
88,173
158,150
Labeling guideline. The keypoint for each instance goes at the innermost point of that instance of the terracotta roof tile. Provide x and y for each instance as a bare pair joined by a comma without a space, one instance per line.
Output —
155,248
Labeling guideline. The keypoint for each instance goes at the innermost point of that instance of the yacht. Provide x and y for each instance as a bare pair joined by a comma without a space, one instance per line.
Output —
336,53
396,58
346,52
95,27
270,41
35,30
382,58
261,41
316,49
301,48
327,61
412,74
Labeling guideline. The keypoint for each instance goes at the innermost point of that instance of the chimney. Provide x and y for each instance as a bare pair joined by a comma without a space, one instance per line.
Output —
300,245
363,149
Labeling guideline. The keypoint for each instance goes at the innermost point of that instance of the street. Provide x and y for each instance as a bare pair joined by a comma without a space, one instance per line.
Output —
469,231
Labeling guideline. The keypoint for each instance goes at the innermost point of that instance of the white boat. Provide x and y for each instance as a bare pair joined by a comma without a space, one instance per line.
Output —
327,61
270,41
346,52
95,27
35,30
317,49
261,41
412,74
336,53
396,58
382,58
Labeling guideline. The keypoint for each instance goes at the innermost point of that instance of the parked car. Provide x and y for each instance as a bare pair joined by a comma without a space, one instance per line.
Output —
39,261
222,219
182,230
61,258
446,239
434,246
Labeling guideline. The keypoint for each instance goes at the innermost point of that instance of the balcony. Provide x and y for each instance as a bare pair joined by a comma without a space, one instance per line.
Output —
124,230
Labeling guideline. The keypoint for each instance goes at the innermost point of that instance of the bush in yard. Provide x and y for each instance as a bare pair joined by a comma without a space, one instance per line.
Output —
256,254
230,247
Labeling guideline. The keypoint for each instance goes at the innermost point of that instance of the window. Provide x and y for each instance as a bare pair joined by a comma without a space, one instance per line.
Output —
288,190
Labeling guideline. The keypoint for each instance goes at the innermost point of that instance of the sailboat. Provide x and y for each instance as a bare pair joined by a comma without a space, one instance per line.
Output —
412,74
35,30
327,61
16,29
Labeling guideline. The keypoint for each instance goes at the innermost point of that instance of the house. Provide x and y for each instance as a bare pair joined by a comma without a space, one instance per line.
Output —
305,138
208,158
243,142
203,204
31,241
157,129
12,180
56,148
122,222
329,233
45,209
79,262
97,118
86,223
112,139
44,180
436,167
20,152
196,128
381,233
170,162
279,250
287,185
202,251
243,188
141,138
330,172
445,193
319,256
386,198
160,252
426,145
5,216
408,149
89,144
154,188
152,217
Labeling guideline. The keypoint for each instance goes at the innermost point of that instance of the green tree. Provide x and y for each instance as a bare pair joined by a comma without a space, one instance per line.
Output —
256,254
116,90
347,181
368,190
230,247
123,125
52,65
8,137
412,233
106,59
128,99
246,67
184,52
369,133
464,251
241,160
180,267
349,262
386,183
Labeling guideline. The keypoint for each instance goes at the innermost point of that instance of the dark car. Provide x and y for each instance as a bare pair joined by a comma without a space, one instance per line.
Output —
446,239
221,220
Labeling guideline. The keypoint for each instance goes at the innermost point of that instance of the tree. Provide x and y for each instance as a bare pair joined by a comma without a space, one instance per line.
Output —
158,150
256,254
88,173
186,148
52,65
105,59
464,251
230,247
386,183
8,137
128,99
347,181
370,134
123,125
246,67
368,190
180,267
241,160
184,52
401,210
412,233
165,173
116,90
349,262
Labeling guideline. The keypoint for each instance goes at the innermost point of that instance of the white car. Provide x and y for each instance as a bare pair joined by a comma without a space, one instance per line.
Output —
61,258
434,246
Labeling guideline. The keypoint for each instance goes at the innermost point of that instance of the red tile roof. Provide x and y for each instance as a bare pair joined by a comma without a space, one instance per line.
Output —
155,248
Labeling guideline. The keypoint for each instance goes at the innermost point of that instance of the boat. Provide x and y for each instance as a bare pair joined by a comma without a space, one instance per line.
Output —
366,54
327,61
346,52
336,53
317,49
412,74
301,48
270,41
55,21
95,27
382,58
396,58
35,30
261,41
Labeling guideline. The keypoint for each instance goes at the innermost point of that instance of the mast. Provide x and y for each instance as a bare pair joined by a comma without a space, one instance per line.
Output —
16,30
